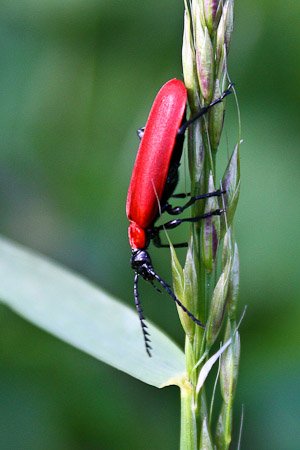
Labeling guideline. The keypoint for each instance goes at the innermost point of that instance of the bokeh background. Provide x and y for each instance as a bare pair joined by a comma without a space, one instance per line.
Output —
77,79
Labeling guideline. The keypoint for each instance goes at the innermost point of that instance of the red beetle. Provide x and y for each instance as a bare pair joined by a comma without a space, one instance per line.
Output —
154,179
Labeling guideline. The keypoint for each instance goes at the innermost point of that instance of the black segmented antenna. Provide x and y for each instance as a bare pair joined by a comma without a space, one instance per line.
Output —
170,292
140,310
141,316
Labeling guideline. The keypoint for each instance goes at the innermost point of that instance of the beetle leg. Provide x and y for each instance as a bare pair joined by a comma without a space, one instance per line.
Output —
140,132
204,110
179,209
181,195
157,243
175,222
140,313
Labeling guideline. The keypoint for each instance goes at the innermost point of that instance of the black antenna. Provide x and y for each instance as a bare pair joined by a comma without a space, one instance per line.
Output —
140,313
169,291
141,262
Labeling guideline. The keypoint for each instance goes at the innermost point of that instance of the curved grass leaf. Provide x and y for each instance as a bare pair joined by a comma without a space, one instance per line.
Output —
78,312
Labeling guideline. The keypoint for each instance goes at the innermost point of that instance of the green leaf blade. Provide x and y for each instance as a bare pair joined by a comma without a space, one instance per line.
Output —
81,314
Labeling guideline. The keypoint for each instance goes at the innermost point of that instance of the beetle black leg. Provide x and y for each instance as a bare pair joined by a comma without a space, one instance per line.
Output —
170,292
140,313
180,245
179,209
157,243
174,223
181,195
140,132
204,110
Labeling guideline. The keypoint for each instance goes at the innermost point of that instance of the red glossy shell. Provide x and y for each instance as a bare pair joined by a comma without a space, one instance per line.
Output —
153,158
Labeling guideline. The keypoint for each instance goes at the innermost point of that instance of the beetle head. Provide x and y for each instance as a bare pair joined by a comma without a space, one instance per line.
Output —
142,264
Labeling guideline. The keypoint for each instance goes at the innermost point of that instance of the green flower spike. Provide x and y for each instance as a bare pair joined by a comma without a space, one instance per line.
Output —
210,230
204,59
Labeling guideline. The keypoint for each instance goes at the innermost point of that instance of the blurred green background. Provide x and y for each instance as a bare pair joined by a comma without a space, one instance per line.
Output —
77,79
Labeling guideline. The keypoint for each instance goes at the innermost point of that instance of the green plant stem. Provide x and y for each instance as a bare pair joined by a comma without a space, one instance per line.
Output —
207,34
202,162
199,181
188,435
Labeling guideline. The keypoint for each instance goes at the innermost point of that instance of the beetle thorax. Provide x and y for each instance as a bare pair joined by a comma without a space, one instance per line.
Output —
142,264
137,236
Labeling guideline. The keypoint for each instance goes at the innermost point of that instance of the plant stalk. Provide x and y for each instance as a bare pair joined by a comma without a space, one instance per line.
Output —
188,436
